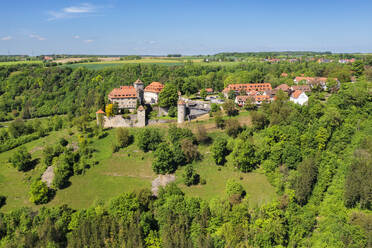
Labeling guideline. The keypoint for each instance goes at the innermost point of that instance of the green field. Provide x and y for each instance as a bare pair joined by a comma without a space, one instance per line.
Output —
127,170
20,62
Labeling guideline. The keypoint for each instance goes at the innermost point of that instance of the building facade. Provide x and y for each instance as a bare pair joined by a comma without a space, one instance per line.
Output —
152,91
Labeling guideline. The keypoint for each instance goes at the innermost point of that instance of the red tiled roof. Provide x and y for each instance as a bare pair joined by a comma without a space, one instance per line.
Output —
284,74
248,87
311,79
100,112
297,93
260,98
155,87
123,92
210,90
283,87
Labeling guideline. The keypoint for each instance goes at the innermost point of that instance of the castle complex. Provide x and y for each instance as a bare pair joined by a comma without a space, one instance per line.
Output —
127,97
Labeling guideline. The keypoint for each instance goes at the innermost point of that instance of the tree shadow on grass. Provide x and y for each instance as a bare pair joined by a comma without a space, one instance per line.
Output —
32,164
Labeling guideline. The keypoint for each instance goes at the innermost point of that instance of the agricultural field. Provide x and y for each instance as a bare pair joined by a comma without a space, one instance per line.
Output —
146,60
20,62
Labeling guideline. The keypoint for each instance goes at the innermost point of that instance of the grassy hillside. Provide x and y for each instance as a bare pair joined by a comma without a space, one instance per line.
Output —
127,170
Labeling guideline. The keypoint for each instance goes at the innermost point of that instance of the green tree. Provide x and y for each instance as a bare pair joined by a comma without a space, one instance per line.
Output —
233,127
148,139
244,156
123,137
230,109
220,150
21,159
163,162
189,176
39,192
307,176
203,93
168,96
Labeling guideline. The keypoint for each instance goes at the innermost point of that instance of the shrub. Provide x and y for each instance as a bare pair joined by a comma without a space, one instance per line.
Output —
172,112
123,137
233,127
63,142
220,151
218,119
39,192
190,177
21,159
214,107
229,107
201,134
177,134
2,200
190,150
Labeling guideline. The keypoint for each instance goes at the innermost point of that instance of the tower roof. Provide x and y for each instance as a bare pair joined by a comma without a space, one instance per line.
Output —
138,81
141,108
100,112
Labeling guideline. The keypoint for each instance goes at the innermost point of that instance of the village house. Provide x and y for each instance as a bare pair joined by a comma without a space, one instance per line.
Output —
127,96
237,88
314,81
152,92
257,99
284,88
305,88
299,97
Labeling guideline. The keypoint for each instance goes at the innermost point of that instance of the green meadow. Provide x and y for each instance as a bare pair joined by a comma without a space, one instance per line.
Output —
127,170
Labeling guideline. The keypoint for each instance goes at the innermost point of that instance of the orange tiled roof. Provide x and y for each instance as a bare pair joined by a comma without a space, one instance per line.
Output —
100,112
210,90
297,93
248,87
155,87
283,87
260,98
311,79
123,92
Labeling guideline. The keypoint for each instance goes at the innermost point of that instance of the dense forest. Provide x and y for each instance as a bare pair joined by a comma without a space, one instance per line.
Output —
318,157
34,90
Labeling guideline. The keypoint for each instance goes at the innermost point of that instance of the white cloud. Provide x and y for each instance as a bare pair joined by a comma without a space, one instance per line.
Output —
82,8
88,41
35,36
7,38
76,37
72,11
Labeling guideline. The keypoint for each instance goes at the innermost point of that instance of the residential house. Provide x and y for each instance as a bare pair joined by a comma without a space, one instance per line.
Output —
237,88
284,88
127,96
152,92
299,97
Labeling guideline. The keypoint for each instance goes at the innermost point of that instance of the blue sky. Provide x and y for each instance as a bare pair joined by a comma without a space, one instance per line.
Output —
186,27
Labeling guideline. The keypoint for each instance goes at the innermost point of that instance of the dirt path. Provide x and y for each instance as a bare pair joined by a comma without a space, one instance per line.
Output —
48,176
161,180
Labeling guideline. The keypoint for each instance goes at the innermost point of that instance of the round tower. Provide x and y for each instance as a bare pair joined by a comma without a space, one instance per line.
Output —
141,116
100,117
181,111
138,85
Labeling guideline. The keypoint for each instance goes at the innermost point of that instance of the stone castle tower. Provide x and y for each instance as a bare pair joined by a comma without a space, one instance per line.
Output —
138,85
141,116
181,111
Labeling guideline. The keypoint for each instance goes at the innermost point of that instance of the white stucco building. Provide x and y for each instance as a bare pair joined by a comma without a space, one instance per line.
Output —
299,97
152,91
